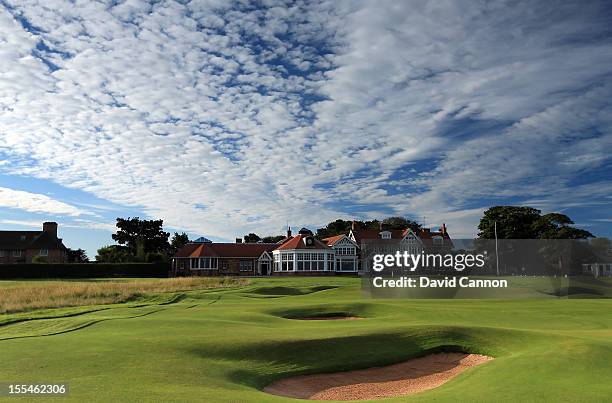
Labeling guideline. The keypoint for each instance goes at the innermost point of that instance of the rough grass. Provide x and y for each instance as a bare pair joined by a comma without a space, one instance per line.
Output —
29,296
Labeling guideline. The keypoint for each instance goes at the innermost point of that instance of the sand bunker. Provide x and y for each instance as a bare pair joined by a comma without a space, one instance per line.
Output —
408,377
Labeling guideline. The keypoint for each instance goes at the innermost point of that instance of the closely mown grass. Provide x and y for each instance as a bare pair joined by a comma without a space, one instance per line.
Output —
22,297
224,345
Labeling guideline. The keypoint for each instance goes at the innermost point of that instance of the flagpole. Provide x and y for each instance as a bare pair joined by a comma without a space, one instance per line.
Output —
496,251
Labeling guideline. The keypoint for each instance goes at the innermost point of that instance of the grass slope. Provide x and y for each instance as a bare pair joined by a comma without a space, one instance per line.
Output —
225,345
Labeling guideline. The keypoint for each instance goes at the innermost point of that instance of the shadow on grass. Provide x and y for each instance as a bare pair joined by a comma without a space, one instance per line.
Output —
324,311
276,359
276,292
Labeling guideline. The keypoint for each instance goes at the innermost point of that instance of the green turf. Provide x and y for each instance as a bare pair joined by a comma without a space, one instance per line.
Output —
226,345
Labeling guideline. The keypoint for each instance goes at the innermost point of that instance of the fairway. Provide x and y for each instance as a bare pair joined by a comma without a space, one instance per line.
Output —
226,345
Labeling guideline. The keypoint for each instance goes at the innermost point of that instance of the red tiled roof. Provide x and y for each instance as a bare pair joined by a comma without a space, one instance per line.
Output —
331,241
297,243
248,250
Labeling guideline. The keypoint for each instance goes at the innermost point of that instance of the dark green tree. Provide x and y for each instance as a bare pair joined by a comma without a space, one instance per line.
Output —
178,241
334,228
272,238
252,238
114,254
400,223
516,222
558,226
77,256
141,236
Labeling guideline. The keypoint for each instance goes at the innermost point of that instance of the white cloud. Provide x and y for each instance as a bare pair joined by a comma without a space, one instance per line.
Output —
23,223
206,114
35,203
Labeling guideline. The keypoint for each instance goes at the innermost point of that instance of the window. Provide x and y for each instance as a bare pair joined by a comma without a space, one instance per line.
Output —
246,265
22,237
286,262
311,261
385,235
209,263
194,263
43,252
346,265
1,253
16,253
345,250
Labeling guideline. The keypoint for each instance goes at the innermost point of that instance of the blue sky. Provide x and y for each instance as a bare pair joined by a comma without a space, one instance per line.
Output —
224,118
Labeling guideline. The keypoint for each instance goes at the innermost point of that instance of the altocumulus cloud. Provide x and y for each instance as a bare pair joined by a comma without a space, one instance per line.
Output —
223,117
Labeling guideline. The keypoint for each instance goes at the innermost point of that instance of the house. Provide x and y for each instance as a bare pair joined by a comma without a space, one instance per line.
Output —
25,246
303,253
346,253
598,269
206,258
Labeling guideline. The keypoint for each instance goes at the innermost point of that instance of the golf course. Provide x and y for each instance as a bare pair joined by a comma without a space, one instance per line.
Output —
227,342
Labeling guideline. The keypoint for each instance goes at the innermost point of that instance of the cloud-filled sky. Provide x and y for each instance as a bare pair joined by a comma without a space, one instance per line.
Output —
226,117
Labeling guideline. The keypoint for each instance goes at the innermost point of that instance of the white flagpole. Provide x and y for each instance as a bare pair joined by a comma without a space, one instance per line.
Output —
496,251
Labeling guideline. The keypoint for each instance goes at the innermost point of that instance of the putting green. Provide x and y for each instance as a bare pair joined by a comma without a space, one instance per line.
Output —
227,345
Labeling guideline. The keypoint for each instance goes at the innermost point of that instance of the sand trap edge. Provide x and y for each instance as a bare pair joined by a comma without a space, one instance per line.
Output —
402,379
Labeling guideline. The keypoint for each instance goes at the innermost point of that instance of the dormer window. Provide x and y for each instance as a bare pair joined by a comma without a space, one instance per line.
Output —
22,237
385,235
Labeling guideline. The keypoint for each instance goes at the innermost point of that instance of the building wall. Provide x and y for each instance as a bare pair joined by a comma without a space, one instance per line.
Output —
231,266
8,257
226,267
54,256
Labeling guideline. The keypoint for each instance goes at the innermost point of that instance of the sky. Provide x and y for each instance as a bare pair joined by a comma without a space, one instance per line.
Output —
224,118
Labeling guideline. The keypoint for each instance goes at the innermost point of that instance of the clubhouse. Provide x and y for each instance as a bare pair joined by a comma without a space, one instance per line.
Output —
302,254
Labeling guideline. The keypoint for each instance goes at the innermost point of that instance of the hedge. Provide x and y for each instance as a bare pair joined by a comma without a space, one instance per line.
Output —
83,270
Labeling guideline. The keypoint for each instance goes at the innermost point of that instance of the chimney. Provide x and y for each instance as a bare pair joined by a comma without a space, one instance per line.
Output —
288,232
443,229
353,225
238,240
380,226
50,227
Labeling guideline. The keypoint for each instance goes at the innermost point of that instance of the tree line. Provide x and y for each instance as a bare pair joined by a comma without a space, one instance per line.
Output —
146,241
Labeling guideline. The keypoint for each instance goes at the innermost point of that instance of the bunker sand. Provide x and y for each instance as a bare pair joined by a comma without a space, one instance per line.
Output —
406,378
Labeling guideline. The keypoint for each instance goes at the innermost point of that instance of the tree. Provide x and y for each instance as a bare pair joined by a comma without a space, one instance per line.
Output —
114,254
272,238
76,256
251,238
39,259
401,223
178,241
514,222
141,236
558,226
334,228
